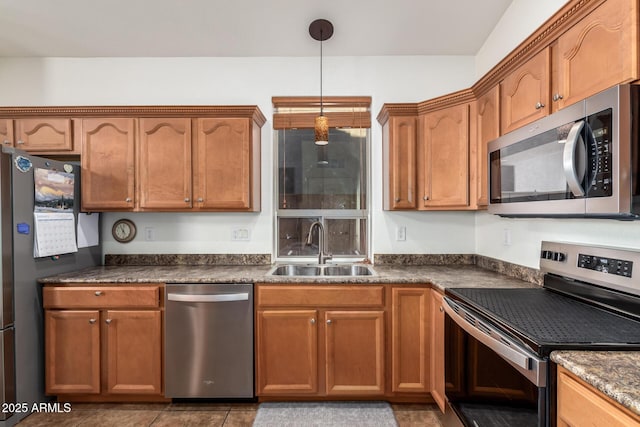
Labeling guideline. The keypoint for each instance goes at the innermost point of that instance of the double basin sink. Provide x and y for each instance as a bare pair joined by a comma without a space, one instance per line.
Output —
318,270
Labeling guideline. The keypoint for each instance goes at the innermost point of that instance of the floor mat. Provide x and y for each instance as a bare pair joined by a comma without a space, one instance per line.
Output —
352,414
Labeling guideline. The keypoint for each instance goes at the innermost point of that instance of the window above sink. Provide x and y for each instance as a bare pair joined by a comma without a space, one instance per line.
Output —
328,184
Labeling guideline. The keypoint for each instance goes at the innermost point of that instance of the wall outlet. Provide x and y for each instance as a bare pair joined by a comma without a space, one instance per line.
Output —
149,234
241,234
506,237
401,233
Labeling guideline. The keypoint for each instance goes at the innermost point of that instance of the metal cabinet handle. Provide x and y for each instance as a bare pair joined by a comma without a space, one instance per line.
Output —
313,321
128,200
200,200
107,321
186,199
20,142
557,97
539,105
97,293
425,198
328,321
6,142
92,321
441,309
397,199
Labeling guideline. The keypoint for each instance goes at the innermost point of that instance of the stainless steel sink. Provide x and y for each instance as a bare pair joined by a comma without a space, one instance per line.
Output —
322,270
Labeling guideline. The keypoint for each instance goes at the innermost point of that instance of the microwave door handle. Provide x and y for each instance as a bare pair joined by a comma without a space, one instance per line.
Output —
568,159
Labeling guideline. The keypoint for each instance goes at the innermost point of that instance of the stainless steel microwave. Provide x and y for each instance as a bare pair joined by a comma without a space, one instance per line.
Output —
582,161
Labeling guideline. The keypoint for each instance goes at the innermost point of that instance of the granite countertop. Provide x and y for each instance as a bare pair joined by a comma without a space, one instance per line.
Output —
614,373
441,276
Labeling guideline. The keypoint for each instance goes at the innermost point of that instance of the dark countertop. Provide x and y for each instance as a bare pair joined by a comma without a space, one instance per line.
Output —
441,276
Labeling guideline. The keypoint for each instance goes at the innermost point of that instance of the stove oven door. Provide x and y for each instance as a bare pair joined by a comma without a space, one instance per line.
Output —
491,379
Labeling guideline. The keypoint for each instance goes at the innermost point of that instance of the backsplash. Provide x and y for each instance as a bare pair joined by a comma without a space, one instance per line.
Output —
188,259
527,274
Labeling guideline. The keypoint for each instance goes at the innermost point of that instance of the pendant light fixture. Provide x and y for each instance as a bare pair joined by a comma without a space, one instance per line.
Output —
321,30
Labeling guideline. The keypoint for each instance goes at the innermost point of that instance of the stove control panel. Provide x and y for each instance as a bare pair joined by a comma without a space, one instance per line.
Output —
618,267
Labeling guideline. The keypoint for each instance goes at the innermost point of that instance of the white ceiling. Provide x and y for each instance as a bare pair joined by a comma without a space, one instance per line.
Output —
174,28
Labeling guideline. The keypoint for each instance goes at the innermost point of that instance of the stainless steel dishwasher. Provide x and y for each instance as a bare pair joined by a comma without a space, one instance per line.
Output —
208,340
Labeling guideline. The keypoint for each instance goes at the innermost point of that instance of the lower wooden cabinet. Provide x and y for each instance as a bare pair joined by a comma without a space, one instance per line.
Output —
580,404
437,349
335,341
108,350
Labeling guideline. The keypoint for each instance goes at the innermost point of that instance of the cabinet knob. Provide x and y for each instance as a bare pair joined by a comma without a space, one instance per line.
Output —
328,321
539,105
397,199
107,321
557,97
97,293
186,199
128,200
441,309
20,142
6,142
200,200
313,321
425,198
92,321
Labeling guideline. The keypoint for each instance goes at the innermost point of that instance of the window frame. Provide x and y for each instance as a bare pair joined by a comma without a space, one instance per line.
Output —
298,113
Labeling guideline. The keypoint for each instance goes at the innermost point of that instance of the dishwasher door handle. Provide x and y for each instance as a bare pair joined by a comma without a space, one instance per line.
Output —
244,296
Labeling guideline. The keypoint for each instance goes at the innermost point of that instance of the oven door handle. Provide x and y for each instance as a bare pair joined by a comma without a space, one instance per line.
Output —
498,342
207,297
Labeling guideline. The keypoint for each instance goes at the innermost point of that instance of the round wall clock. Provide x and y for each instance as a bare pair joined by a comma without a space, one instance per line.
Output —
123,230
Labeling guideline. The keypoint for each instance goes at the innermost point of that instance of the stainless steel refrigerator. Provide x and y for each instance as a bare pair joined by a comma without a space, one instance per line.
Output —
21,315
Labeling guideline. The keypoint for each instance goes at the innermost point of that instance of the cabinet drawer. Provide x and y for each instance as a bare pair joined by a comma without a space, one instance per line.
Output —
320,295
101,296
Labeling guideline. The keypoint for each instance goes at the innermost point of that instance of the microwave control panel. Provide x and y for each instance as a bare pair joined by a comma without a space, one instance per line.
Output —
599,153
619,267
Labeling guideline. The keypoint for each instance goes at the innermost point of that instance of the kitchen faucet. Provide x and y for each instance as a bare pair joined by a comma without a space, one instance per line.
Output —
322,255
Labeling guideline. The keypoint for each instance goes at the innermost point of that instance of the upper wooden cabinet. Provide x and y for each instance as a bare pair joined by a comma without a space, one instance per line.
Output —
598,52
108,164
39,135
485,127
525,92
443,152
172,163
399,163
228,165
164,163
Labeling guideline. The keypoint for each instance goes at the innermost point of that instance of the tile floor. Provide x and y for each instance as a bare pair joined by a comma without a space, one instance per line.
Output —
192,414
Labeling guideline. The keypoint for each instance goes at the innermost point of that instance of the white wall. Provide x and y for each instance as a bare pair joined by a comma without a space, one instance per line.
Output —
171,81
518,22
521,19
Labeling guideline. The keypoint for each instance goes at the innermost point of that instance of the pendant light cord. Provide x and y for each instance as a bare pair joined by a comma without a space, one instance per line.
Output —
321,110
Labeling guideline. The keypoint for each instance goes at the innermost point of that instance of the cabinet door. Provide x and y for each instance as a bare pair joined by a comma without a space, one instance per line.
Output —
487,128
164,163
399,163
224,159
445,158
43,135
598,52
410,339
134,351
524,93
286,352
108,164
6,132
436,339
580,404
354,352
72,351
